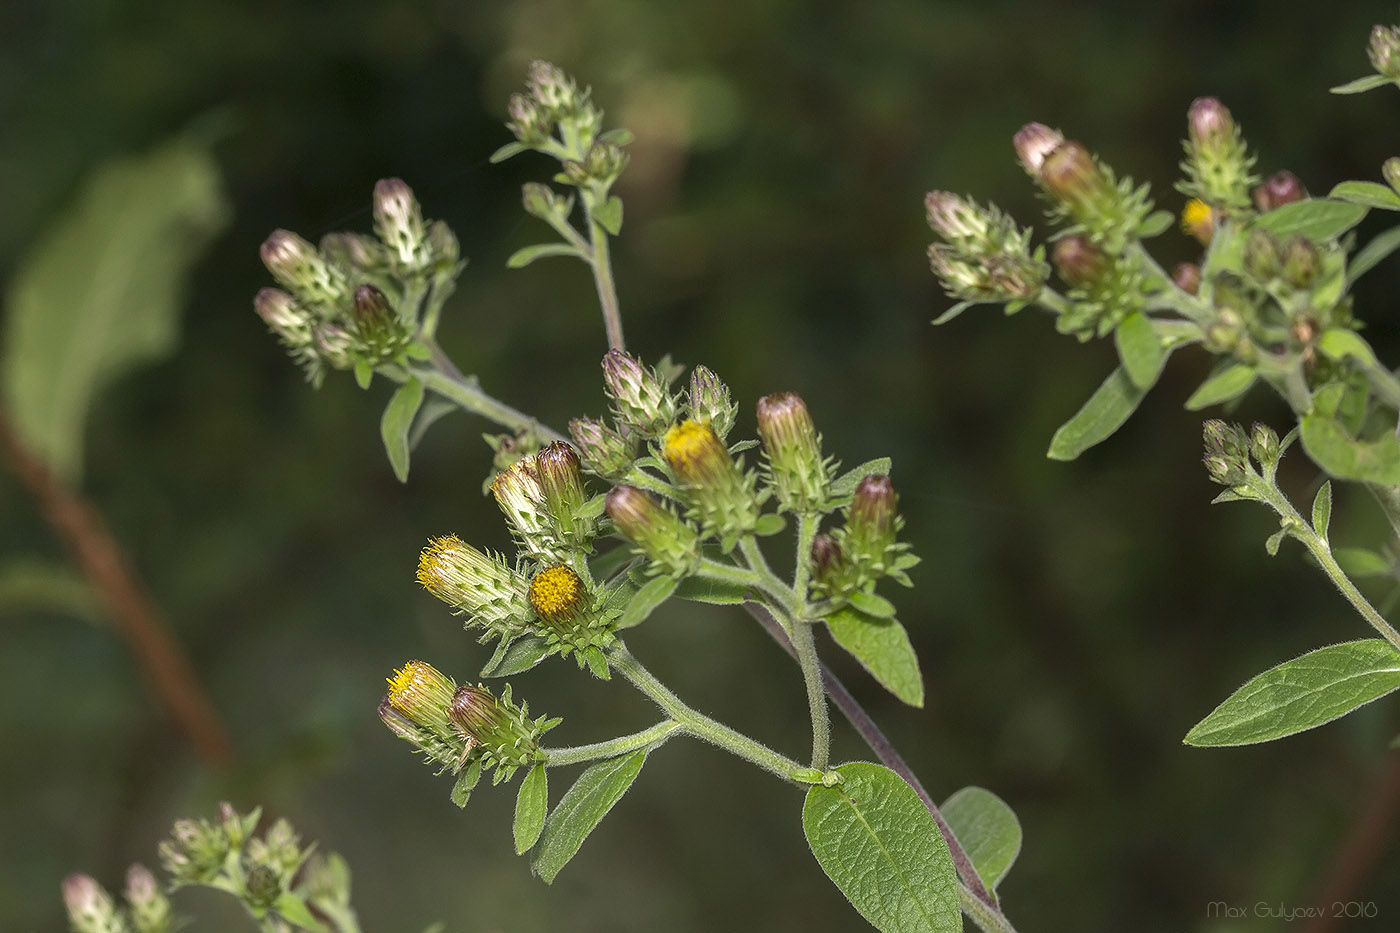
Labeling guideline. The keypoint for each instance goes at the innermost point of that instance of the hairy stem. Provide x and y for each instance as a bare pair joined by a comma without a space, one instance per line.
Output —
603,278
471,398
804,643
612,747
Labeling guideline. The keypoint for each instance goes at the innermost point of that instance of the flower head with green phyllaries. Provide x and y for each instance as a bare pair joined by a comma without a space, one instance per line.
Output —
719,493
489,592
800,475
671,545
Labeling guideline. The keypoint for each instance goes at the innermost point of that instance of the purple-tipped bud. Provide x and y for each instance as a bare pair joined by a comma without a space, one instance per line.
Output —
1078,261
602,451
287,256
478,716
1277,190
660,535
1069,173
557,466
497,729
371,307
1033,143
1226,452
90,908
790,440
399,223
874,516
956,219
827,560
641,399
1264,445
1384,50
443,244
529,123
539,200
1262,255
354,250
283,316
710,401
553,89
149,908
333,344
1302,262
1209,124
1187,277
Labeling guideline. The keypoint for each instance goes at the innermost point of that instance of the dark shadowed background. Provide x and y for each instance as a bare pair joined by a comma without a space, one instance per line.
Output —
1073,620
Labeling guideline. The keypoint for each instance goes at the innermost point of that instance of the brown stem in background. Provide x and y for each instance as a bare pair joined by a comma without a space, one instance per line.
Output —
1365,843
167,668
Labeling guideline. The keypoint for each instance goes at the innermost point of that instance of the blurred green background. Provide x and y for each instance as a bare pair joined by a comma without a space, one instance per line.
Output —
1073,620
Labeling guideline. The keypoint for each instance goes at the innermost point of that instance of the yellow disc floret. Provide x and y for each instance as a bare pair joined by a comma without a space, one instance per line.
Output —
556,594
694,450
422,693
1198,220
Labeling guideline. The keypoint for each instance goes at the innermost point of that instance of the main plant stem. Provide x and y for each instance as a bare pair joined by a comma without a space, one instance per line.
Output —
603,279
621,745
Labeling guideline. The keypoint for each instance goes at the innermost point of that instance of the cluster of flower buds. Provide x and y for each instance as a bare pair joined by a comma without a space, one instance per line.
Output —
1083,191
1228,452
1384,51
1103,288
462,729
92,910
555,117
1218,166
358,301
799,474
866,548
1296,261
984,255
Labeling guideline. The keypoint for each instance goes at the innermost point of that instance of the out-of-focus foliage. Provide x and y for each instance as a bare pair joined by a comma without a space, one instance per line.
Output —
775,232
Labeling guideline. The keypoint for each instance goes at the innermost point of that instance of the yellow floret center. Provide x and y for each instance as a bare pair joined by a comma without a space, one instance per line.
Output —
556,593
433,561
1197,220
689,442
406,680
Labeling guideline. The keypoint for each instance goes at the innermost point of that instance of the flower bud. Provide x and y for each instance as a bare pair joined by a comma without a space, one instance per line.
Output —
1390,171
710,401
1209,125
668,542
284,317
1071,175
557,467
1226,452
1198,221
604,162
1033,143
551,88
443,245
528,121
1277,190
873,519
1078,261
999,276
1262,256
1218,165
1384,50
90,908
483,587
354,251
558,596
1187,277
333,345
298,267
496,729
640,398
719,493
263,886
603,451
478,716
521,497
539,200
1264,445
829,567
195,851
423,695
798,473
150,910
399,223
378,333
956,219
1302,263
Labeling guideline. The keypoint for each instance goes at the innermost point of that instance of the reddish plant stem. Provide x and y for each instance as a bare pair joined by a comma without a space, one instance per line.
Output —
884,750
167,668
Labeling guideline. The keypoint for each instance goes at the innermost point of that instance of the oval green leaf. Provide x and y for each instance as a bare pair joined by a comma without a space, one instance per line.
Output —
523,257
1322,510
1224,384
877,842
1140,349
1360,562
988,830
715,592
516,657
1326,440
395,425
1338,343
656,591
1105,411
530,808
595,792
1315,218
845,484
882,647
1302,694
1369,193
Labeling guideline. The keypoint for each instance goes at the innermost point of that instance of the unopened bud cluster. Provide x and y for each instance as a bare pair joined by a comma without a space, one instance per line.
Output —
1231,454
983,255
357,300
865,548
92,910
1218,166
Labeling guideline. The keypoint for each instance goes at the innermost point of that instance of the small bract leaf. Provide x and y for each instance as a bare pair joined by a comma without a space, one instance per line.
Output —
954,311
872,605
1272,543
508,150
530,808
1140,349
397,420
988,830
1227,382
1368,193
1361,84
1315,218
523,257
1105,411
877,842
1157,222
609,215
516,657
770,523
1338,343
882,647
716,592
595,792
1322,510
294,910
1301,694
655,592
846,483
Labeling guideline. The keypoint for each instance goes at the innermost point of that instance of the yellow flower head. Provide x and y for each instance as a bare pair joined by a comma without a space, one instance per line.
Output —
556,594
1198,220
694,451
422,694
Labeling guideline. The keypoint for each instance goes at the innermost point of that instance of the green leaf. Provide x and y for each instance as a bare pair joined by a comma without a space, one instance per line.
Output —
882,647
1369,193
508,150
364,374
1338,343
1333,449
955,310
394,426
717,592
1156,223
1370,255
988,830
1322,510
1361,84
530,808
1227,382
1140,349
101,290
1105,411
1315,218
872,605
618,136
604,566
294,910
516,657
36,586
1360,562
609,215
1302,694
523,257
1274,541
877,842
656,591
770,523
466,782
433,409
846,483
583,808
